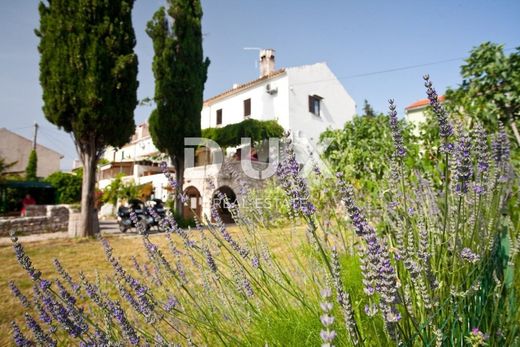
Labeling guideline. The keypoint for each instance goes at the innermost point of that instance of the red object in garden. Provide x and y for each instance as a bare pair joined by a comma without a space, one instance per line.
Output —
28,200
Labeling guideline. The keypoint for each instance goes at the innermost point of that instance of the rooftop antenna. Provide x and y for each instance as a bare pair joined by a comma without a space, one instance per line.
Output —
253,49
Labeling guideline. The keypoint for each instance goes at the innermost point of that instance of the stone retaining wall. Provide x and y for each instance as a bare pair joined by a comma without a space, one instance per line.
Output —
40,219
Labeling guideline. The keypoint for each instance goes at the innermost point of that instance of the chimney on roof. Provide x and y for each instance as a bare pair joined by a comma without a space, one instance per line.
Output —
266,62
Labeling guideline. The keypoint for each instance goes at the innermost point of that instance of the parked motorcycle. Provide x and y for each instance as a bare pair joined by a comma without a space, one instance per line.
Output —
124,220
157,213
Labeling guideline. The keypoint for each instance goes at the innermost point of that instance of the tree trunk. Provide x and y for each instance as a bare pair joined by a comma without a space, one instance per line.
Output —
515,130
89,223
179,177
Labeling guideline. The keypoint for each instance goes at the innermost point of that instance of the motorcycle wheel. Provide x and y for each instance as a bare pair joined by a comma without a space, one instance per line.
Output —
122,228
142,225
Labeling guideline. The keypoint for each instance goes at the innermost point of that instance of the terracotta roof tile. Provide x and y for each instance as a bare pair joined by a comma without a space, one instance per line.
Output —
243,86
422,103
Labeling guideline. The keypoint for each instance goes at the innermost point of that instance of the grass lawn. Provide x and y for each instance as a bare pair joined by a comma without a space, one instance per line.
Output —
82,255
75,255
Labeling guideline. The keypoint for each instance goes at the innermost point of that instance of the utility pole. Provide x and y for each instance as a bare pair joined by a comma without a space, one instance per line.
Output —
35,134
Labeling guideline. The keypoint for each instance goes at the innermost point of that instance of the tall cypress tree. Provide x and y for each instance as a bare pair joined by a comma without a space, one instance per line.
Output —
32,167
88,73
180,72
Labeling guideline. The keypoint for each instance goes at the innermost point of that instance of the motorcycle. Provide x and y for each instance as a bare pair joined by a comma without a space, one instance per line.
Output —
157,212
142,221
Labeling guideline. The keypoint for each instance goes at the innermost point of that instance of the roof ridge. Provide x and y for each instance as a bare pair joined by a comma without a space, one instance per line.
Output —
245,85
423,102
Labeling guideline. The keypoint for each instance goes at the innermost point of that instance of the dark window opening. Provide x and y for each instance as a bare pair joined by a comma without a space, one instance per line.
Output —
219,117
315,104
247,107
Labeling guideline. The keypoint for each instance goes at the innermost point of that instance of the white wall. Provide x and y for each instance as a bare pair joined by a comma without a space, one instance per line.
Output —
264,106
336,107
133,151
416,117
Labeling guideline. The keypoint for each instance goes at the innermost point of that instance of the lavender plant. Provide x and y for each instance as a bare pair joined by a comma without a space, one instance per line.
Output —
426,267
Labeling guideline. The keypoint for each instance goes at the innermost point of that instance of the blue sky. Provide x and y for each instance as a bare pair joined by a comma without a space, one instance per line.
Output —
353,37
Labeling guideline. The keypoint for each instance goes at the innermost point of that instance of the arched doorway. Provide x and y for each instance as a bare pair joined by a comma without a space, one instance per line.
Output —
223,209
193,203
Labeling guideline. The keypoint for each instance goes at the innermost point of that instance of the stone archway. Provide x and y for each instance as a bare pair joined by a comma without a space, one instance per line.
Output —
223,210
193,203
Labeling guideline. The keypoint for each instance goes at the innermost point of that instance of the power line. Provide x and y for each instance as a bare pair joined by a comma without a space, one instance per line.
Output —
58,142
402,68
409,67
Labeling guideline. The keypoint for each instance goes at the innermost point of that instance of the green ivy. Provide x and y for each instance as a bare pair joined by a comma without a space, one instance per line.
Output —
230,135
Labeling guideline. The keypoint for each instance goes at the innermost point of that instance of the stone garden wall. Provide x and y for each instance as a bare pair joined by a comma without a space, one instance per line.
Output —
40,219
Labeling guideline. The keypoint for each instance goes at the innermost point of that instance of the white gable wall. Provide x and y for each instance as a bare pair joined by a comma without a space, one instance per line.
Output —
264,106
336,107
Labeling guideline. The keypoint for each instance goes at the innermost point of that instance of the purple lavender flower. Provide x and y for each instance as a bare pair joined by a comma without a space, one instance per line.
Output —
24,260
480,148
101,338
255,262
40,336
170,304
327,336
93,292
464,163
173,183
126,327
242,283
18,294
500,146
445,128
289,175
210,261
244,252
63,315
19,339
400,151
142,292
154,253
43,315
44,284
65,275
379,275
468,255
326,320
136,265
343,299
371,310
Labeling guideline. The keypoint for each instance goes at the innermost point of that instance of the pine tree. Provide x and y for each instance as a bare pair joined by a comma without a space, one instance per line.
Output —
180,72
32,167
4,166
88,73
368,110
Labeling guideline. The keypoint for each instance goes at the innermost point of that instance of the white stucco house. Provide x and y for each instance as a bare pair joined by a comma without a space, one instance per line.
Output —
137,161
415,112
305,100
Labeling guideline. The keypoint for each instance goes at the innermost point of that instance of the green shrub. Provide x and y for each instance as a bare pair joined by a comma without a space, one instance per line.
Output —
68,186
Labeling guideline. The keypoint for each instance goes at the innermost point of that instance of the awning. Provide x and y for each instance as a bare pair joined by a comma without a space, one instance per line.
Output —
26,184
